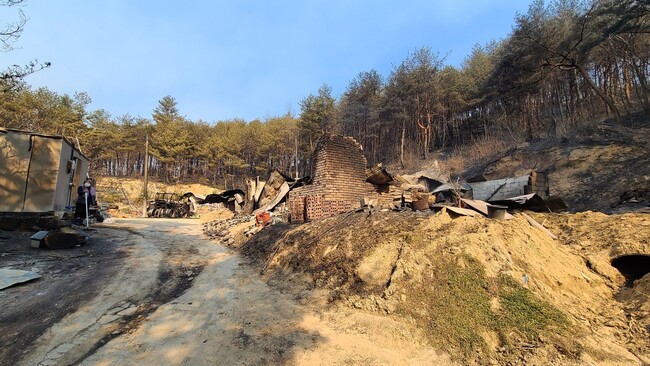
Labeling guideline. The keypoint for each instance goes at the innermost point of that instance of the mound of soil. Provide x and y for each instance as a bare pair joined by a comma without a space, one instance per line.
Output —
482,290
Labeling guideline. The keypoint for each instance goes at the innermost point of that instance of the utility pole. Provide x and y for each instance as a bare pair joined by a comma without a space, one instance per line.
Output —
146,176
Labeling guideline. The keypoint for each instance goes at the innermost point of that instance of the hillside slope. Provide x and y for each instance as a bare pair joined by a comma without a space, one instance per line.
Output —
605,170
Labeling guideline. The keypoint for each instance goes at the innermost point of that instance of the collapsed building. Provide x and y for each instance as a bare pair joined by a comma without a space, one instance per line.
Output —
339,181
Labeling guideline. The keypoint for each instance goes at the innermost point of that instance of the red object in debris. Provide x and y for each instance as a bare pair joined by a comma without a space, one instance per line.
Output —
262,218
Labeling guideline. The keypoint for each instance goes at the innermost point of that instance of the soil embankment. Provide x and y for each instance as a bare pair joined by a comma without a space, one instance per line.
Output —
482,290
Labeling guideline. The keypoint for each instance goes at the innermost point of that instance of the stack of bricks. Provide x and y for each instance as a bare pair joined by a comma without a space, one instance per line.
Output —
387,196
536,182
339,181
314,206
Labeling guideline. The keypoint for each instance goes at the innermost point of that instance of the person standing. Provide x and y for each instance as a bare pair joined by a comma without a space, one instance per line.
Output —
85,198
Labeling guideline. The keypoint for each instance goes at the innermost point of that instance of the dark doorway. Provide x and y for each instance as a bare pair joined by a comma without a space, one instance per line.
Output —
632,267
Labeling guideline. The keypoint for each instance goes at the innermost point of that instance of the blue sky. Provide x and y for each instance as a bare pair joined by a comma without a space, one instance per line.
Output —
241,58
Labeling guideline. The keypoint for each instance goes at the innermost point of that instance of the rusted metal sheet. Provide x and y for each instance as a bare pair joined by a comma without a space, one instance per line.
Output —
532,202
480,206
462,211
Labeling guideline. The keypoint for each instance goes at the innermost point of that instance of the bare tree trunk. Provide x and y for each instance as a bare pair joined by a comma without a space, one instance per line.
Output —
249,203
427,138
401,150
601,94
559,105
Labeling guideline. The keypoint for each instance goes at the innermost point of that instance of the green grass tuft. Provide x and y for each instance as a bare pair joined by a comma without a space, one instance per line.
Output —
453,307
522,311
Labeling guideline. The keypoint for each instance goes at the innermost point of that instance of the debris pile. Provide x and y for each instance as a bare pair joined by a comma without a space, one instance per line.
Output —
635,197
343,183
170,205
63,238
432,190
220,230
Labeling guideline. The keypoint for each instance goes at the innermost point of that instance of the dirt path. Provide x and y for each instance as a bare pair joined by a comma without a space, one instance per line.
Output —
225,314
68,279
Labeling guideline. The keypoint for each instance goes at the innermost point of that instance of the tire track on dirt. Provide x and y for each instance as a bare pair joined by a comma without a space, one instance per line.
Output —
158,269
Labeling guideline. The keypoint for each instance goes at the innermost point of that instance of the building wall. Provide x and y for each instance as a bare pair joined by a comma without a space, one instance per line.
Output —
339,183
69,180
33,172
14,161
42,175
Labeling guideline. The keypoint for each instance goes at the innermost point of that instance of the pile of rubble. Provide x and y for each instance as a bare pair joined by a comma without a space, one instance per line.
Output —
342,183
431,189
220,229
636,197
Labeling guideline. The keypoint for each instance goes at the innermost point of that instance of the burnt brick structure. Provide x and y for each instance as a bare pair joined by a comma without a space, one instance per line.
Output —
339,181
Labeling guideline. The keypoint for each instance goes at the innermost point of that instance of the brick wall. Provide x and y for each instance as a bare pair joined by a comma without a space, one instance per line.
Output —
339,180
387,196
305,202
536,182
539,184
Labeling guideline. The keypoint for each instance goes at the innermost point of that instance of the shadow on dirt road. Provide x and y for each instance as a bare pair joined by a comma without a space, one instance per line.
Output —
161,294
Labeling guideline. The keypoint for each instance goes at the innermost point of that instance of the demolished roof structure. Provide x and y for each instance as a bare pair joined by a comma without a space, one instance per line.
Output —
525,192
342,182
266,196
460,186
500,189
532,202
259,195
223,197
378,175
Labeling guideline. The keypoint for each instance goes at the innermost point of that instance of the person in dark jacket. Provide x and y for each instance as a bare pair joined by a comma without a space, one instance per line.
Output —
84,200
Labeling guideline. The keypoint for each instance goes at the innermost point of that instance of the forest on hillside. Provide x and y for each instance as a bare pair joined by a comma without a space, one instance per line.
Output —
565,64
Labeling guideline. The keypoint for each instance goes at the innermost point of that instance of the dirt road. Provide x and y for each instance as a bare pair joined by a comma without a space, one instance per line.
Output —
178,299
